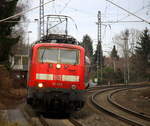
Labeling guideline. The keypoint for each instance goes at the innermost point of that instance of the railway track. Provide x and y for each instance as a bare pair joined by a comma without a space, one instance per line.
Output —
92,89
102,101
40,120
113,102
59,122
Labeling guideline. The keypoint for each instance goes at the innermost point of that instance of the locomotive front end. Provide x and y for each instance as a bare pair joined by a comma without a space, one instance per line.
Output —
56,77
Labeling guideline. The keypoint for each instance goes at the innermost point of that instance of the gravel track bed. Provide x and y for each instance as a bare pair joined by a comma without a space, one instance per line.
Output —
135,99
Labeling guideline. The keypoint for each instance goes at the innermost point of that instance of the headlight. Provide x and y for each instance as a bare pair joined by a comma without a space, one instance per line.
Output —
73,87
58,66
40,85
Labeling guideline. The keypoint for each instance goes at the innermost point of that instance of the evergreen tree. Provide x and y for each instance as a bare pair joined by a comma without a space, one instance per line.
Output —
114,52
114,57
7,40
142,54
143,48
87,44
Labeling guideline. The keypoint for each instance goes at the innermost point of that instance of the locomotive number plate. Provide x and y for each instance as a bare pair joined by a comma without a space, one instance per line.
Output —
57,84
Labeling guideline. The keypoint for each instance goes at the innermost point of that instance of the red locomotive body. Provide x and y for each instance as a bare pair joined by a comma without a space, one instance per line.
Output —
56,76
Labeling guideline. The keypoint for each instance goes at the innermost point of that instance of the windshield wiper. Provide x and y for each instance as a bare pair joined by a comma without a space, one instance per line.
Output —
42,56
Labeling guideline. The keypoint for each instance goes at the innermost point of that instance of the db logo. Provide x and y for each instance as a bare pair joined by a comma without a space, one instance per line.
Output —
57,77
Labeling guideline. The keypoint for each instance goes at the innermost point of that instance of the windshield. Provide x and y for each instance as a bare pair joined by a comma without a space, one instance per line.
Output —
57,55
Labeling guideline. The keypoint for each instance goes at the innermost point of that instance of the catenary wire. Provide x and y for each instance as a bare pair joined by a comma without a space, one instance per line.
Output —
134,12
64,7
128,11
21,13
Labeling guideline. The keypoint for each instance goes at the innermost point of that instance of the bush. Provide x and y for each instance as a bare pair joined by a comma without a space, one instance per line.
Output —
5,80
109,76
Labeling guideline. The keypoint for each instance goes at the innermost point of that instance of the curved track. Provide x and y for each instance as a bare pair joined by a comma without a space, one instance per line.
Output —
101,102
109,97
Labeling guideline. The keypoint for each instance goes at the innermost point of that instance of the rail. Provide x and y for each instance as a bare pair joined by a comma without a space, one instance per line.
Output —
101,107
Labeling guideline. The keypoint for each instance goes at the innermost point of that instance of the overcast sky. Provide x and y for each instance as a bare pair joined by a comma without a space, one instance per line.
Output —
84,12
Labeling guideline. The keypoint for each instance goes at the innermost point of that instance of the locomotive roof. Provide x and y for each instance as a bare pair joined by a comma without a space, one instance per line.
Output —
58,45
58,38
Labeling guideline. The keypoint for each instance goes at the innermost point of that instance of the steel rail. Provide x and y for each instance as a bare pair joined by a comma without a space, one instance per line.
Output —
43,121
75,122
100,107
140,115
71,120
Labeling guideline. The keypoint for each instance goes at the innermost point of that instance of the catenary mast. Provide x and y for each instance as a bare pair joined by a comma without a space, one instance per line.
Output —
41,19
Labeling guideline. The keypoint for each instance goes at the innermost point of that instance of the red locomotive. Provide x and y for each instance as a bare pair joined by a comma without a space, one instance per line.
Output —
56,78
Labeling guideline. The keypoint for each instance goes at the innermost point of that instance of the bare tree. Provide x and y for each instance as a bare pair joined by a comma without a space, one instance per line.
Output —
133,37
21,27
